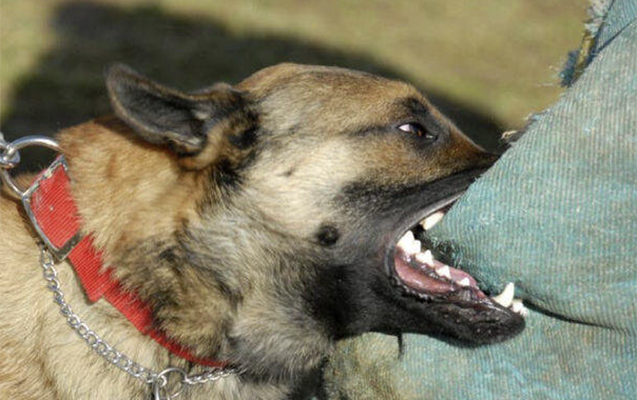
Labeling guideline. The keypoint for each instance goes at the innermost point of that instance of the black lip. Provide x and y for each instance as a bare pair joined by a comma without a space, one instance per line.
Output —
411,222
488,308
359,296
432,197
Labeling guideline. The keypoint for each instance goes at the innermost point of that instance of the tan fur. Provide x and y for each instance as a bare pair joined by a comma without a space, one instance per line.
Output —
138,200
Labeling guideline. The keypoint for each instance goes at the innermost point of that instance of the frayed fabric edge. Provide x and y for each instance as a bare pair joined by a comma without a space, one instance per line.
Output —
578,60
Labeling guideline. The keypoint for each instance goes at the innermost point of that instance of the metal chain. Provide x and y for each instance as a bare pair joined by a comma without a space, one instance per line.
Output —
9,159
100,346
158,381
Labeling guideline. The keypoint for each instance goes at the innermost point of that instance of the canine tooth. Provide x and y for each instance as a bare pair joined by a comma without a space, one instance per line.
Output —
444,272
432,220
464,282
406,241
506,297
518,307
425,258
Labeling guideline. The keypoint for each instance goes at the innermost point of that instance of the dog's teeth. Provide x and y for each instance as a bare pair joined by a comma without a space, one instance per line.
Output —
429,257
464,282
415,247
432,220
406,241
518,307
506,297
426,258
444,272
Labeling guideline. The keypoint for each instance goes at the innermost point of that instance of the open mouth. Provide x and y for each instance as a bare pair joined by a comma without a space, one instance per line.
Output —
419,274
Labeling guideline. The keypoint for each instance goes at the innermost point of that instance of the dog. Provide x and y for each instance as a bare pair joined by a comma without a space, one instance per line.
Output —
260,222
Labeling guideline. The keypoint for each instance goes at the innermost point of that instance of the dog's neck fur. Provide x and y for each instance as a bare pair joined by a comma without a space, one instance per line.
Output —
124,187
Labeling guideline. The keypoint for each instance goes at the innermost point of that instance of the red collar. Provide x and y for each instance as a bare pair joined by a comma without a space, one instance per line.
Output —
54,215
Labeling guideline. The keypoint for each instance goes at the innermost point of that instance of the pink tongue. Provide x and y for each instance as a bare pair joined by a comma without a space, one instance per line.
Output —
456,274
418,280
416,275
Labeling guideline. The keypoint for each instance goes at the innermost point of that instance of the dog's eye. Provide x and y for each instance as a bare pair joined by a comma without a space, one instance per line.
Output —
417,129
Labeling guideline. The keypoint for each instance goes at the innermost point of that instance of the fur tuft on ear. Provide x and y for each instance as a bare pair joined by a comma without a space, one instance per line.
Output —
165,116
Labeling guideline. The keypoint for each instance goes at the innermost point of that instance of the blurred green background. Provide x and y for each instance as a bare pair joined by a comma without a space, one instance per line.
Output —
487,63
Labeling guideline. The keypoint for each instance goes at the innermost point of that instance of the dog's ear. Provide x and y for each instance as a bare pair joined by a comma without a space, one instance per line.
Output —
160,115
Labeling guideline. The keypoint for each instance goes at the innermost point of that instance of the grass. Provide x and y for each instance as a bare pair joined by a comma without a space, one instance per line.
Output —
488,63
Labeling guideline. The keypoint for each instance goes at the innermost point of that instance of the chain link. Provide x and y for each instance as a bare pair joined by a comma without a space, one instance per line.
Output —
9,157
158,381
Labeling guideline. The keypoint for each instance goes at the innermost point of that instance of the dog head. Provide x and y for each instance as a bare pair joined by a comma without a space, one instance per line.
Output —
311,176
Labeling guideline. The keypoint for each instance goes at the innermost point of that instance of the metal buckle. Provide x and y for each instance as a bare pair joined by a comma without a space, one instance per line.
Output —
63,251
